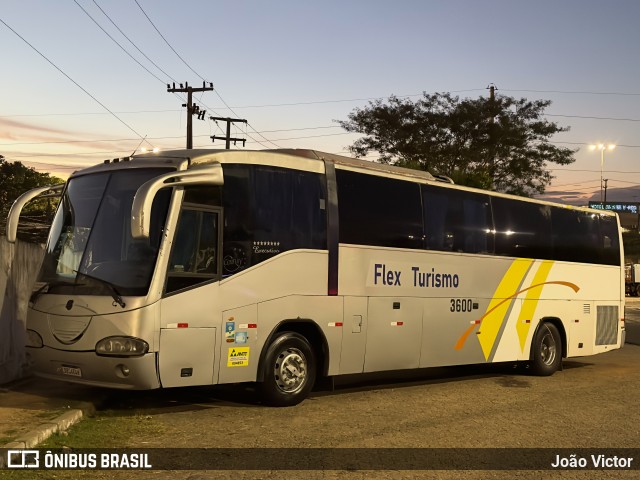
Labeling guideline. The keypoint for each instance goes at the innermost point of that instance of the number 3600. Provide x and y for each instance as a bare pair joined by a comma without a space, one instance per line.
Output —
461,305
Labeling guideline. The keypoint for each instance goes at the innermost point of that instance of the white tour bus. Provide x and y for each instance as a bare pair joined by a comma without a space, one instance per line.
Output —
201,267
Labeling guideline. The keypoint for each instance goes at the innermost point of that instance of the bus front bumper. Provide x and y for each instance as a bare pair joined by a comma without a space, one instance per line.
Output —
131,373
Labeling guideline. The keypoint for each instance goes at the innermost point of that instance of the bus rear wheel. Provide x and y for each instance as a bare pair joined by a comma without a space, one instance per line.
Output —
289,370
546,350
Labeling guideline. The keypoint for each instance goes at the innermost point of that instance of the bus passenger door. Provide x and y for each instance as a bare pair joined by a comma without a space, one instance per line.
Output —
188,319
394,333
354,335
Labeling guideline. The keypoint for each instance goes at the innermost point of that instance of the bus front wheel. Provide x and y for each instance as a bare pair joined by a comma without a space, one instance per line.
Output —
546,350
289,370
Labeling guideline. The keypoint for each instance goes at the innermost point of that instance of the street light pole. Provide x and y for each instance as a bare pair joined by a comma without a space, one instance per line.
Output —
601,169
602,147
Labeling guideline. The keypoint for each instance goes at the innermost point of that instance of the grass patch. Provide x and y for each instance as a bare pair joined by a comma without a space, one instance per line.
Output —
8,436
108,430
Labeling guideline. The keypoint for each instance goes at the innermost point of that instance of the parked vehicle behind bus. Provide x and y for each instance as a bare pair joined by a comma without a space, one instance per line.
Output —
202,267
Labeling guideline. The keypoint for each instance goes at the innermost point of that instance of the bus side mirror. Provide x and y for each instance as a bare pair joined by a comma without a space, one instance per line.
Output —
21,201
204,174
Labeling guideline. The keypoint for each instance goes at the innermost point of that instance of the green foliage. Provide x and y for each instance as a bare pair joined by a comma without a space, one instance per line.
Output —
501,144
16,178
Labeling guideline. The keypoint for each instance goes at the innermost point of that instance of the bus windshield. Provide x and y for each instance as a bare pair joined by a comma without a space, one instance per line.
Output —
90,250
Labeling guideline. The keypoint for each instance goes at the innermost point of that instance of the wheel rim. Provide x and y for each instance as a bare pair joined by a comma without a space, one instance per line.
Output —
548,348
290,370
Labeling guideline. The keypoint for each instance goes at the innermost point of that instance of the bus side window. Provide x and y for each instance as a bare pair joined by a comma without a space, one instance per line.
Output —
523,229
379,211
268,211
456,220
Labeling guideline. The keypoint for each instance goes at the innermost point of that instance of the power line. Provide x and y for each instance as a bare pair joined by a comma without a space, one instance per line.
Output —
593,118
131,41
117,43
98,140
576,183
121,47
73,81
313,136
314,102
572,92
311,102
167,42
58,165
125,50
84,113
201,78
86,141
67,154
590,171
149,138
622,181
584,143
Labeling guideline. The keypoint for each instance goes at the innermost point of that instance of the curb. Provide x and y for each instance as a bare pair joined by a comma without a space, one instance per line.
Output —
59,424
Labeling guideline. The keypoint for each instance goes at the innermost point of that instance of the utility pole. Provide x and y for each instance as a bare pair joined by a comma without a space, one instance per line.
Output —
228,136
191,108
492,154
492,92
605,180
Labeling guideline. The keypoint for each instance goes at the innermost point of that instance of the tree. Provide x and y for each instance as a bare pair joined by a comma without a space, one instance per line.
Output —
15,179
501,144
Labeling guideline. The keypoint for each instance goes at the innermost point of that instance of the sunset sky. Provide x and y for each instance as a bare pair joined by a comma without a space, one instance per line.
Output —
291,68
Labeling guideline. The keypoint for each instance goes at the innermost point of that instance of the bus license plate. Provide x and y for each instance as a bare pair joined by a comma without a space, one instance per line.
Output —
73,371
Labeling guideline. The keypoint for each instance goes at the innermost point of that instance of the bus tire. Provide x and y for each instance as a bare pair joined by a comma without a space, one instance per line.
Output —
546,350
289,370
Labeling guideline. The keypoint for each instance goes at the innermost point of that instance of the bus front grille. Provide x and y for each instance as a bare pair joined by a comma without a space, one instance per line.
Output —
68,330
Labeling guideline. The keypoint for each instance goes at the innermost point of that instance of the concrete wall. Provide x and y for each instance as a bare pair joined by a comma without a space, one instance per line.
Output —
19,264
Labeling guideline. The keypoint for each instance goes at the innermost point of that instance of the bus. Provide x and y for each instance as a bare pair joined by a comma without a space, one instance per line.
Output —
283,267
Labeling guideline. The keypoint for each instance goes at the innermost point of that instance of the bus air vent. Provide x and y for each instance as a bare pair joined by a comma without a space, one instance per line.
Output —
607,325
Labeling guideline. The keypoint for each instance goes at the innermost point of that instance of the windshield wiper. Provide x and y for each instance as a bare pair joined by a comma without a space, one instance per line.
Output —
34,296
112,288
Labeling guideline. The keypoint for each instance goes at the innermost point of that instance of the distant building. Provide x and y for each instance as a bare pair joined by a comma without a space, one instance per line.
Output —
627,211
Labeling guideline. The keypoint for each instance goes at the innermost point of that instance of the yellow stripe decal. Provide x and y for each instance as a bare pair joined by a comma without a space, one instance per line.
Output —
498,307
495,314
531,302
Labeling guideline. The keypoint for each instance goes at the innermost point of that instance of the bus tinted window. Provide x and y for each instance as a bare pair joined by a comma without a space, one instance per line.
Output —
610,244
379,211
523,229
270,210
203,195
575,235
456,220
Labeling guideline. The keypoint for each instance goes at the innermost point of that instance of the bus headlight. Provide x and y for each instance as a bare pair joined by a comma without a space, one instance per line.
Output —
122,347
34,339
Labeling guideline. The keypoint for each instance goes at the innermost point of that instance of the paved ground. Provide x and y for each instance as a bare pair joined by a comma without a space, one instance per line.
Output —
27,403
397,415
